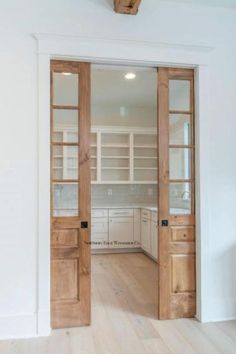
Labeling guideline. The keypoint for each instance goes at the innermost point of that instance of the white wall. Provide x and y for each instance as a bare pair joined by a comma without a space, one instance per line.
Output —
161,21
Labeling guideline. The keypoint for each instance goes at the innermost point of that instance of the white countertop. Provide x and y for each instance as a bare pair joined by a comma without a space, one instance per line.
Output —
151,208
124,207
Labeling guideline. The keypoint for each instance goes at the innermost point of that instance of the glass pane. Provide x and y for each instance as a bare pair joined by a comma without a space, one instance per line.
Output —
179,91
65,125
180,129
180,163
65,199
65,162
180,198
65,89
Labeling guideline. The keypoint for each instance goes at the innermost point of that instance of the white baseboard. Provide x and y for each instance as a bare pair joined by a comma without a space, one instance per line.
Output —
19,326
25,326
217,310
44,320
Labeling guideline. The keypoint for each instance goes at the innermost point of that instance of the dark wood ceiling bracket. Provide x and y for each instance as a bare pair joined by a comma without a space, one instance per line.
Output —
128,7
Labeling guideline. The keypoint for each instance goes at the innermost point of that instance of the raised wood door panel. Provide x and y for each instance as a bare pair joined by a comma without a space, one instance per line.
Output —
70,194
177,261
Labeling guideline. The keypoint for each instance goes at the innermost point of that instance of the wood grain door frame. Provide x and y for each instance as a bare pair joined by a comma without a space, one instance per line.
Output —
177,253
70,235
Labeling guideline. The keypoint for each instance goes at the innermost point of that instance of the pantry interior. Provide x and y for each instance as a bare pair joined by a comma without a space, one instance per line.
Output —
124,159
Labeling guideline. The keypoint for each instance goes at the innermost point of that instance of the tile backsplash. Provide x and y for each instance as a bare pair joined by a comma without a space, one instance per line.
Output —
127,195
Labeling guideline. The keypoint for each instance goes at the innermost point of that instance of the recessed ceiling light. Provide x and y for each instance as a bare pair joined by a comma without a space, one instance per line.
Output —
130,76
66,74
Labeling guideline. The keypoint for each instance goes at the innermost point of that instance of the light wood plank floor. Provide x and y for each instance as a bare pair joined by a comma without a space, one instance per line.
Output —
124,320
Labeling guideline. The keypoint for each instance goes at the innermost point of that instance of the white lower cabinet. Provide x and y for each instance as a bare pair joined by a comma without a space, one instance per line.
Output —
99,229
149,232
114,228
121,232
146,234
154,244
125,228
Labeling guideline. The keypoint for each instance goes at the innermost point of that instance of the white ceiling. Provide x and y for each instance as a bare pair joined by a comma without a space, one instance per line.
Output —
109,86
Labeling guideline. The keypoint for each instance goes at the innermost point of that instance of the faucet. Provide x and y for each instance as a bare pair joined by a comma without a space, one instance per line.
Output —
186,195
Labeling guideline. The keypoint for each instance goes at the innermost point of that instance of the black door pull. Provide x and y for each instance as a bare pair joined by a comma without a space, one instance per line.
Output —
164,223
84,224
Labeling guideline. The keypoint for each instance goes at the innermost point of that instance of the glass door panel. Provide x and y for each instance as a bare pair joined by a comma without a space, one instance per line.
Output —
65,125
180,163
65,199
65,143
179,95
180,129
65,89
180,198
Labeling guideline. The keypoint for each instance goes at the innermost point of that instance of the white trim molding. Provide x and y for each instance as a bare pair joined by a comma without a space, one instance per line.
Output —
129,52
111,50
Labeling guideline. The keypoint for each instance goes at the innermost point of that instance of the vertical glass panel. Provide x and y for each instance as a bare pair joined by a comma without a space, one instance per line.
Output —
180,163
65,89
180,198
179,95
65,199
65,125
180,129
65,162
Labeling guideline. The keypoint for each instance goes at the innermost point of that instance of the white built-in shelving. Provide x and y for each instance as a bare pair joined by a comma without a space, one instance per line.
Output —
118,155
65,158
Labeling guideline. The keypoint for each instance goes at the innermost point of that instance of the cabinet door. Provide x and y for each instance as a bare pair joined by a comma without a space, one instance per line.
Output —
121,232
137,228
99,233
146,235
154,237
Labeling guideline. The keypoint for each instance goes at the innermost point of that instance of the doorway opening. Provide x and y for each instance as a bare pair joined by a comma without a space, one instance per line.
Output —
124,188
134,156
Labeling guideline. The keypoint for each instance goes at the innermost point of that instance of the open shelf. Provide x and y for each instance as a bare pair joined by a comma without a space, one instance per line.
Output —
118,155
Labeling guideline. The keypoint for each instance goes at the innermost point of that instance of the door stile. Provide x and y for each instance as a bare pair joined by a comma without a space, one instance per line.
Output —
163,185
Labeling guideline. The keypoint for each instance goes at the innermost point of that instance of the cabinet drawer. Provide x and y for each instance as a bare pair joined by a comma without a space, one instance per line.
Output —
99,213
99,225
120,212
154,216
146,214
122,220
